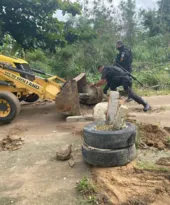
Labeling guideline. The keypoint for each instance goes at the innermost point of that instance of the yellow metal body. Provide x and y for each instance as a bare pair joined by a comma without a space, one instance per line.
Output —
44,88
12,61
16,77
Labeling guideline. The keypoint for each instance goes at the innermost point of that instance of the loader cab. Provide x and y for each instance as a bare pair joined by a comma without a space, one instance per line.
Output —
19,64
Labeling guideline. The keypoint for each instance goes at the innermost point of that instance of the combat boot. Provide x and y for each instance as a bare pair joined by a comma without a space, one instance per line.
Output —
146,107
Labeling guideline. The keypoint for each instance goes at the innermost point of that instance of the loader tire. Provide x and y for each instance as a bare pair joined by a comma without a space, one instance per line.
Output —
116,139
108,158
9,107
31,98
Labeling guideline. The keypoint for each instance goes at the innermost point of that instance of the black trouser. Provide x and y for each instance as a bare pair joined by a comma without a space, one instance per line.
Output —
127,85
106,88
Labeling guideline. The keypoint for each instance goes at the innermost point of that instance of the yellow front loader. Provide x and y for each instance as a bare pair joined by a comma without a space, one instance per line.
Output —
18,82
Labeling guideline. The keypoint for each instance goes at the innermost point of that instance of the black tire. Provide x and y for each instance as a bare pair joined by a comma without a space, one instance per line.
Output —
108,158
109,139
13,104
31,98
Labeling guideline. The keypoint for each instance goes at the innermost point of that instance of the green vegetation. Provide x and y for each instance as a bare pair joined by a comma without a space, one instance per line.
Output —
87,190
30,29
151,167
85,186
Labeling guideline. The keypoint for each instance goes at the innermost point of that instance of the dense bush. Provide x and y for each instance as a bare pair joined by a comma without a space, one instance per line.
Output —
95,34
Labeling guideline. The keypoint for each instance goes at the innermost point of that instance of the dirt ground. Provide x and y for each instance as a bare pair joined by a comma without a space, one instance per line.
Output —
32,176
146,180
131,186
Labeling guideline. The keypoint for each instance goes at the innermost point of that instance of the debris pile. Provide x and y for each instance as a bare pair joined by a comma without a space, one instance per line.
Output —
11,143
153,136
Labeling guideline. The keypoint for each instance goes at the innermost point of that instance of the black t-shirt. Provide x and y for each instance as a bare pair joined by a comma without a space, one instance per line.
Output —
111,73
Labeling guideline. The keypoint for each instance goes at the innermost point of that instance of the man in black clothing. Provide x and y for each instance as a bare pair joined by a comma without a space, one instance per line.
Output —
115,77
123,59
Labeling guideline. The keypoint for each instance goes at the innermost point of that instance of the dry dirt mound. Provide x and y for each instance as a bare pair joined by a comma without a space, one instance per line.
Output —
131,186
152,136
11,143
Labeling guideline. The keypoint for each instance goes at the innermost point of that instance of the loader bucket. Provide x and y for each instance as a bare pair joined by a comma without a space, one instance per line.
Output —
67,101
88,95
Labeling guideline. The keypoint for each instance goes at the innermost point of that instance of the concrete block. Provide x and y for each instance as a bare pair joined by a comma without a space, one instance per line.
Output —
79,118
99,112
120,118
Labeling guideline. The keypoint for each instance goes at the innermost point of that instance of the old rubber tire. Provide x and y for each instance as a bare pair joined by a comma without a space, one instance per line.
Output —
109,139
108,158
31,98
9,107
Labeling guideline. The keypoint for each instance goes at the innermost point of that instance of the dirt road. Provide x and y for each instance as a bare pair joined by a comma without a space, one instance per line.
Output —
160,113
31,175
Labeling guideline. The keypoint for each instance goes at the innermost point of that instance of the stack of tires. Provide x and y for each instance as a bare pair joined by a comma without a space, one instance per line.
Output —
109,148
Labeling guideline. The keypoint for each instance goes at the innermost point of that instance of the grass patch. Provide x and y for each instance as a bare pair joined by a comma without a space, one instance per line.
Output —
151,92
88,192
85,186
151,167
146,91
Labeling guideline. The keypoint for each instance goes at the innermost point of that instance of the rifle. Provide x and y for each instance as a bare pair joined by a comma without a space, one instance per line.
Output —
129,74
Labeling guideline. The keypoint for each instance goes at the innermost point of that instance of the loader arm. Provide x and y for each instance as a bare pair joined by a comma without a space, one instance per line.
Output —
43,88
65,94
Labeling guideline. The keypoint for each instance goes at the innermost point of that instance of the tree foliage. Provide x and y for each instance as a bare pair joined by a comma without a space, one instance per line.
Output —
158,20
32,23
128,11
86,40
78,29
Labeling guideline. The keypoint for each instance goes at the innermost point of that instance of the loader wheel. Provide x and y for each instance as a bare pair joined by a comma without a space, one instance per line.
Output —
31,98
9,107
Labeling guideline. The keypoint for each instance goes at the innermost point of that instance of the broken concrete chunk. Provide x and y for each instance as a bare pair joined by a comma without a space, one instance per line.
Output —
79,118
99,112
64,153
119,122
